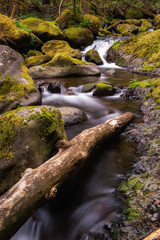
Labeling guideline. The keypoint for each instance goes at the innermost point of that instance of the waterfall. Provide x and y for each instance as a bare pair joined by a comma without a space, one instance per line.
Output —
102,46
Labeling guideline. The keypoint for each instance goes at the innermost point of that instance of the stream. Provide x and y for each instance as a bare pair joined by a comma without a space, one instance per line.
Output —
87,202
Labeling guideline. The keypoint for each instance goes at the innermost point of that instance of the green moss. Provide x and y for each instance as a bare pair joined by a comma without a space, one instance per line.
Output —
42,28
11,89
145,26
121,28
157,21
92,22
37,60
116,45
52,47
143,84
63,59
9,123
133,13
65,19
133,214
103,86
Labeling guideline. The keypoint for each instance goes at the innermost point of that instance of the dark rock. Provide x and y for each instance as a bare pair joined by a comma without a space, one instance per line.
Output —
54,87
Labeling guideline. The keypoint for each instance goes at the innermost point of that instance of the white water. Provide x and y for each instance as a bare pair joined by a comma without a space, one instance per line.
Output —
102,46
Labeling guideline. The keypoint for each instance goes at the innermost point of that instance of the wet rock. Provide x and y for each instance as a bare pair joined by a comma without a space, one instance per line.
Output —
54,87
72,115
103,89
28,137
111,71
88,87
17,88
93,56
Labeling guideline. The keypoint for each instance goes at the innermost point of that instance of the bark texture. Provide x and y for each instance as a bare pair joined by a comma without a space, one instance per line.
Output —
37,185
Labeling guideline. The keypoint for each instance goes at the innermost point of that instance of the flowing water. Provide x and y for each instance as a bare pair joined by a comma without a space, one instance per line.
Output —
87,202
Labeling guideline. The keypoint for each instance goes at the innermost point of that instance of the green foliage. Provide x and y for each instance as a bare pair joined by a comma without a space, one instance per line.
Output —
22,27
86,22
29,14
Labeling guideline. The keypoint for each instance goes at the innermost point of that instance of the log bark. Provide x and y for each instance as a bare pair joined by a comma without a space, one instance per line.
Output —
37,185
153,236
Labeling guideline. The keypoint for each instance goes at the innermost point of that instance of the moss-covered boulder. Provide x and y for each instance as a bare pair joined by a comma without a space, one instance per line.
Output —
65,19
17,88
37,60
93,56
32,53
64,65
157,21
50,48
79,37
126,29
145,26
13,36
133,13
92,22
45,30
141,53
27,139
103,89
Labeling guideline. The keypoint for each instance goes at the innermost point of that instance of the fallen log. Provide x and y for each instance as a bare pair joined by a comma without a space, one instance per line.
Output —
153,236
37,185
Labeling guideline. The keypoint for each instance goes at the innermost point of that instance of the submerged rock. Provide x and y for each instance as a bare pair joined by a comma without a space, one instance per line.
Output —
72,115
63,65
17,88
93,56
27,139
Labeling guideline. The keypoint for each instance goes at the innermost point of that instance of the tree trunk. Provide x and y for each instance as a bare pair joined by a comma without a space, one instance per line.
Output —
37,185
154,236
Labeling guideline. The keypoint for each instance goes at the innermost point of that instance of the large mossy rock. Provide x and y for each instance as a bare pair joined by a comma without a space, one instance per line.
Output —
92,22
64,65
157,21
79,37
103,89
50,48
37,60
145,26
93,56
13,36
17,88
126,29
27,139
65,19
45,30
141,53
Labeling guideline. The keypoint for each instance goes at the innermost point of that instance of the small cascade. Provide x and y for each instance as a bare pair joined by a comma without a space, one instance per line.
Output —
102,46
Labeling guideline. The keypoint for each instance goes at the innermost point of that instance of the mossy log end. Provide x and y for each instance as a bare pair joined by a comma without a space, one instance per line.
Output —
37,185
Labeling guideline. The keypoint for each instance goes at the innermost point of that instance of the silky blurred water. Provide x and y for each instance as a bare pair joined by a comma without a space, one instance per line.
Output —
87,202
